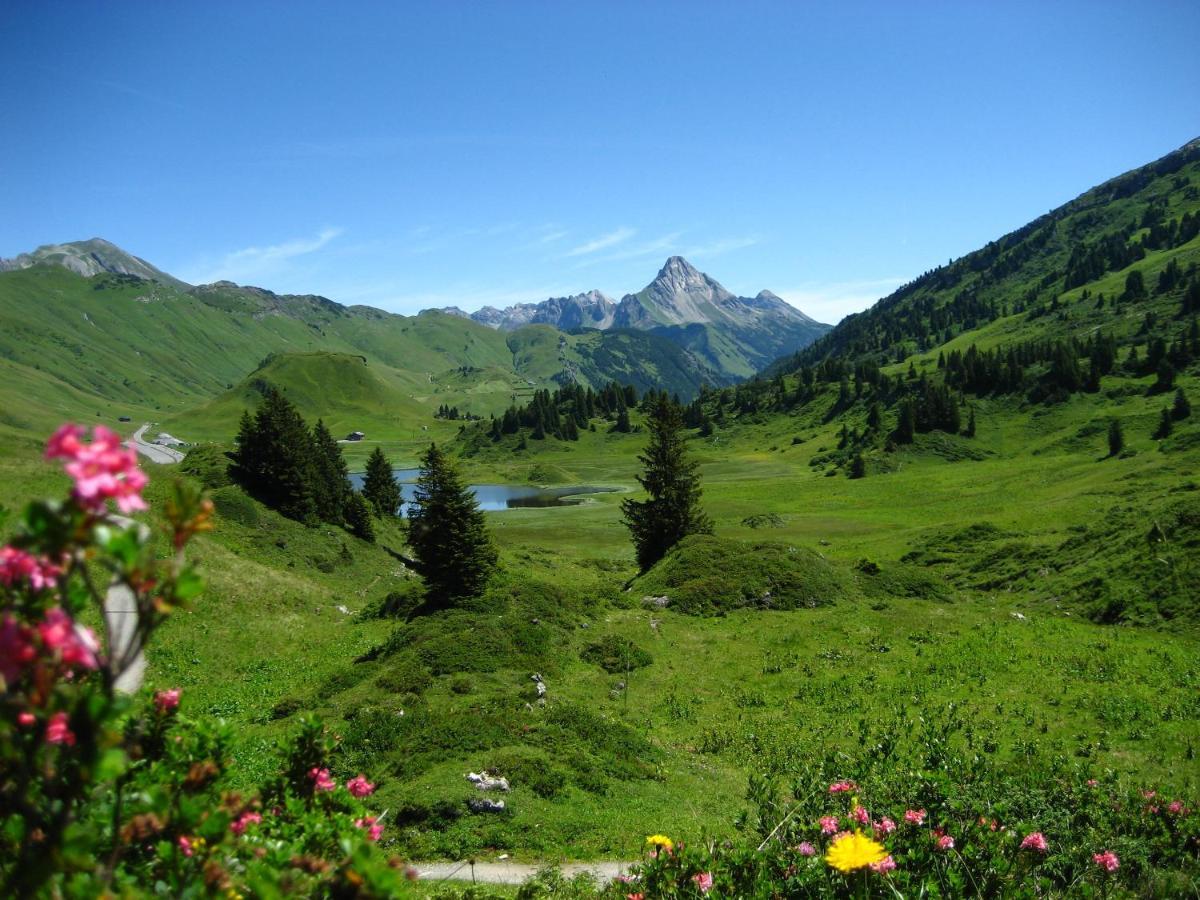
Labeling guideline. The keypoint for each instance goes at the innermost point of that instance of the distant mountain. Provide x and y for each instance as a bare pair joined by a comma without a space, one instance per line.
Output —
735,336
92,257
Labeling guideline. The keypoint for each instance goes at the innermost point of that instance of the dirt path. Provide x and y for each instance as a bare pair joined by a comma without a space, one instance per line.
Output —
514,873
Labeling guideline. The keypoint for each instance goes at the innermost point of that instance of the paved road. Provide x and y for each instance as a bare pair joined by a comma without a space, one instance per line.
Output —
120,619
513,873
153,452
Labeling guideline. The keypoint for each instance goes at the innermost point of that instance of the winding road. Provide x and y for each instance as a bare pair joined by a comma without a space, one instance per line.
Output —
153,452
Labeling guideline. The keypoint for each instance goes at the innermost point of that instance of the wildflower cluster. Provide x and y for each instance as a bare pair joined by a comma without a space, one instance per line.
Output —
104,794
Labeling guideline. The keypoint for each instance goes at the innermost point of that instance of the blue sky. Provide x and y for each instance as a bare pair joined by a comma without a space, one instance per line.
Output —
413,155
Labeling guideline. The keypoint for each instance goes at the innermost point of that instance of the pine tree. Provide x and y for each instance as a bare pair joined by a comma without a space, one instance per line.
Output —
1116,438
623,424
379,485
971,424
1181,409
331,484
672,511
358,518
447,533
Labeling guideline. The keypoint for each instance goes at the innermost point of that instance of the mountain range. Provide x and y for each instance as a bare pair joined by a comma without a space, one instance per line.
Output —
735,334
89,326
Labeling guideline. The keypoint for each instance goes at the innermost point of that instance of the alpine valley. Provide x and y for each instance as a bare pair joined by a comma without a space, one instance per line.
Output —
941,590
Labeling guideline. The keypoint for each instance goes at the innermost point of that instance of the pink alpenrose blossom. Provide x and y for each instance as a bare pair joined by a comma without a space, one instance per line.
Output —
1035,841
860,815
103,470
360,787
914,816
842,787
185,845
242,822
1107,860
945,842
25,719
17,650
829,824
371,826
58,731
17,566
74,644
167,701
885,865
704,881
885,826
321,780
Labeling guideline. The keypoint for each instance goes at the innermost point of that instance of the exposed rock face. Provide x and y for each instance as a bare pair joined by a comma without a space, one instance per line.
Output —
93,257
734,335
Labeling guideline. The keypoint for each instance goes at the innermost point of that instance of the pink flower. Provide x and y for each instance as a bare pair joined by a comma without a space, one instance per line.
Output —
829,824
914,816
945,842
1092,782
806,849
321,780
17,651
1175,807
635,897
1107,861
1149,795
167,701
841,787
239,825
74,644
369,824
885,865
1035,841
103,470
185,845
17,566
58,732
885,826
360,787
703,881
861,816
25,719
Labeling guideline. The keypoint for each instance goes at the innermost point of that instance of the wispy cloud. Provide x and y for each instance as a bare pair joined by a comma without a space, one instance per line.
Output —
604,241
256,261
833,301
719,246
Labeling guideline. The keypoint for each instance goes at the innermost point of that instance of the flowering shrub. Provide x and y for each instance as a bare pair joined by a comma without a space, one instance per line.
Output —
103,794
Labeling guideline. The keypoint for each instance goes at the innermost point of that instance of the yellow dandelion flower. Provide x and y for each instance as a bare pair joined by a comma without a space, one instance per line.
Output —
661,841
854,851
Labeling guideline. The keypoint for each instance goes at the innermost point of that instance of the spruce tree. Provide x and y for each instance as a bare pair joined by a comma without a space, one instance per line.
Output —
358,518
379,485
971,424
331,484
274,460
906,426
447,533
672,511
1164,425
623,425
858,466
1181,409
1116,437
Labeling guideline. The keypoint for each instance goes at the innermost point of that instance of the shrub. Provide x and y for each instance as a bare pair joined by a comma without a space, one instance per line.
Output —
614,653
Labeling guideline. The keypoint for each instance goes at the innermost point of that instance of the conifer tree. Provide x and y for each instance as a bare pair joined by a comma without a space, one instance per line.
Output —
672,511
858,466
274,458
379,485
971,424
623,425
448,534
358,518
1181,409
906,426
331,483
1164,425
1116,437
